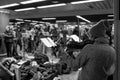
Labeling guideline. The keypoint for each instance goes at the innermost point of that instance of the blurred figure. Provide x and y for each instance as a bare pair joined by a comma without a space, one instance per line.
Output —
9,41
4,75
97,60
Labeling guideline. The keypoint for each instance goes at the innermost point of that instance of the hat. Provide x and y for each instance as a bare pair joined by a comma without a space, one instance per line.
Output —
99,29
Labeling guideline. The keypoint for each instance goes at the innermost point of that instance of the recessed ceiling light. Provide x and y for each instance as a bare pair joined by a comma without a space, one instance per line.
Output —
28,20
34,21
48,18
9,5
49,6
25,9
19,22
110,19
85,1
41,22
110,15
19,19
31,1
61,21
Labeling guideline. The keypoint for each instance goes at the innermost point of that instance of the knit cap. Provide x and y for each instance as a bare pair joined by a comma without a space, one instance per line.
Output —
99,29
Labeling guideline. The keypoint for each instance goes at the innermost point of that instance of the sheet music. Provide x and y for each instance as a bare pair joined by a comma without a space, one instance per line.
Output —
75,38
51,41
46,42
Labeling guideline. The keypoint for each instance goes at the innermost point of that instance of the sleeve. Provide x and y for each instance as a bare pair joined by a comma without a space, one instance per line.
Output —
110,62
81,59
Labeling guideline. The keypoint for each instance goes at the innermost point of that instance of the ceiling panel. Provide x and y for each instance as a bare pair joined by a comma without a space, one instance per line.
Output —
96,8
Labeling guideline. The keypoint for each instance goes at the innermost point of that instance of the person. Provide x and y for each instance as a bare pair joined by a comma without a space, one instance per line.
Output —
97,60
2,46
4,75
9,42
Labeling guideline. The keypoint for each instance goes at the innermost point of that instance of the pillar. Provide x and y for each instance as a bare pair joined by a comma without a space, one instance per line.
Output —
117,38
4,20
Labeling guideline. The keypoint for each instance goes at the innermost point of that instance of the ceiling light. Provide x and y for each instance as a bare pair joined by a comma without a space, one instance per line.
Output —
48,18
28,20
19,22
9,5
41,22
4,11
55,2
80,17
110,15
10,22
110,19
19,19
25,9
61,21
49,6
86,1
34,21
31,1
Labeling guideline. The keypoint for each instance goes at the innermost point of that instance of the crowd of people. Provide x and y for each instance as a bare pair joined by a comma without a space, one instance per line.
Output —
96,55
27,37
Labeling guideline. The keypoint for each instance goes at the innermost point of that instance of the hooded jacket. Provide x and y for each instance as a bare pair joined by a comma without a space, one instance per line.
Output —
95,59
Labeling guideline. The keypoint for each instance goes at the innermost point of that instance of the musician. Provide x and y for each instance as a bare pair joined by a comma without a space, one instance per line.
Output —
97,60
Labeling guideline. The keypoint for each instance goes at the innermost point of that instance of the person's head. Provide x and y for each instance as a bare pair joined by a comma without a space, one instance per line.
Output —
99,29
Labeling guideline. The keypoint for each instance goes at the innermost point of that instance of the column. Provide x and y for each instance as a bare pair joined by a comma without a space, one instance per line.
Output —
117,38
4,20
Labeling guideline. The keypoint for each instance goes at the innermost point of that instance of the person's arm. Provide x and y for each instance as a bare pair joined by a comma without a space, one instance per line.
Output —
111,70
81,59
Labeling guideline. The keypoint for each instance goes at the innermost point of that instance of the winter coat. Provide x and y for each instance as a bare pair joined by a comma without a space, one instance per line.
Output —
2,46
95,59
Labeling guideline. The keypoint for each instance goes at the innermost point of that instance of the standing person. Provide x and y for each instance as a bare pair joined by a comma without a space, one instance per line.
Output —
97,60
9,43
2,46
3,72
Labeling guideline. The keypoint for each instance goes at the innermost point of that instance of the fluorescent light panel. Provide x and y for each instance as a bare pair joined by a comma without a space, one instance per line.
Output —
34,21
9,5
49,6
80,17
48,18
110,19
25,9
28,20
4,11
19,19
41,22
61,21
86,1
110,15
31,1
19,22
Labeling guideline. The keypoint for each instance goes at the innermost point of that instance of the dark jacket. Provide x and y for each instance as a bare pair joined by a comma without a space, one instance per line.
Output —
94,58
2,46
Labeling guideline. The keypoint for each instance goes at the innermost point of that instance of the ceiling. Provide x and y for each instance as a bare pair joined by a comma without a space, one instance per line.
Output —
94,11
